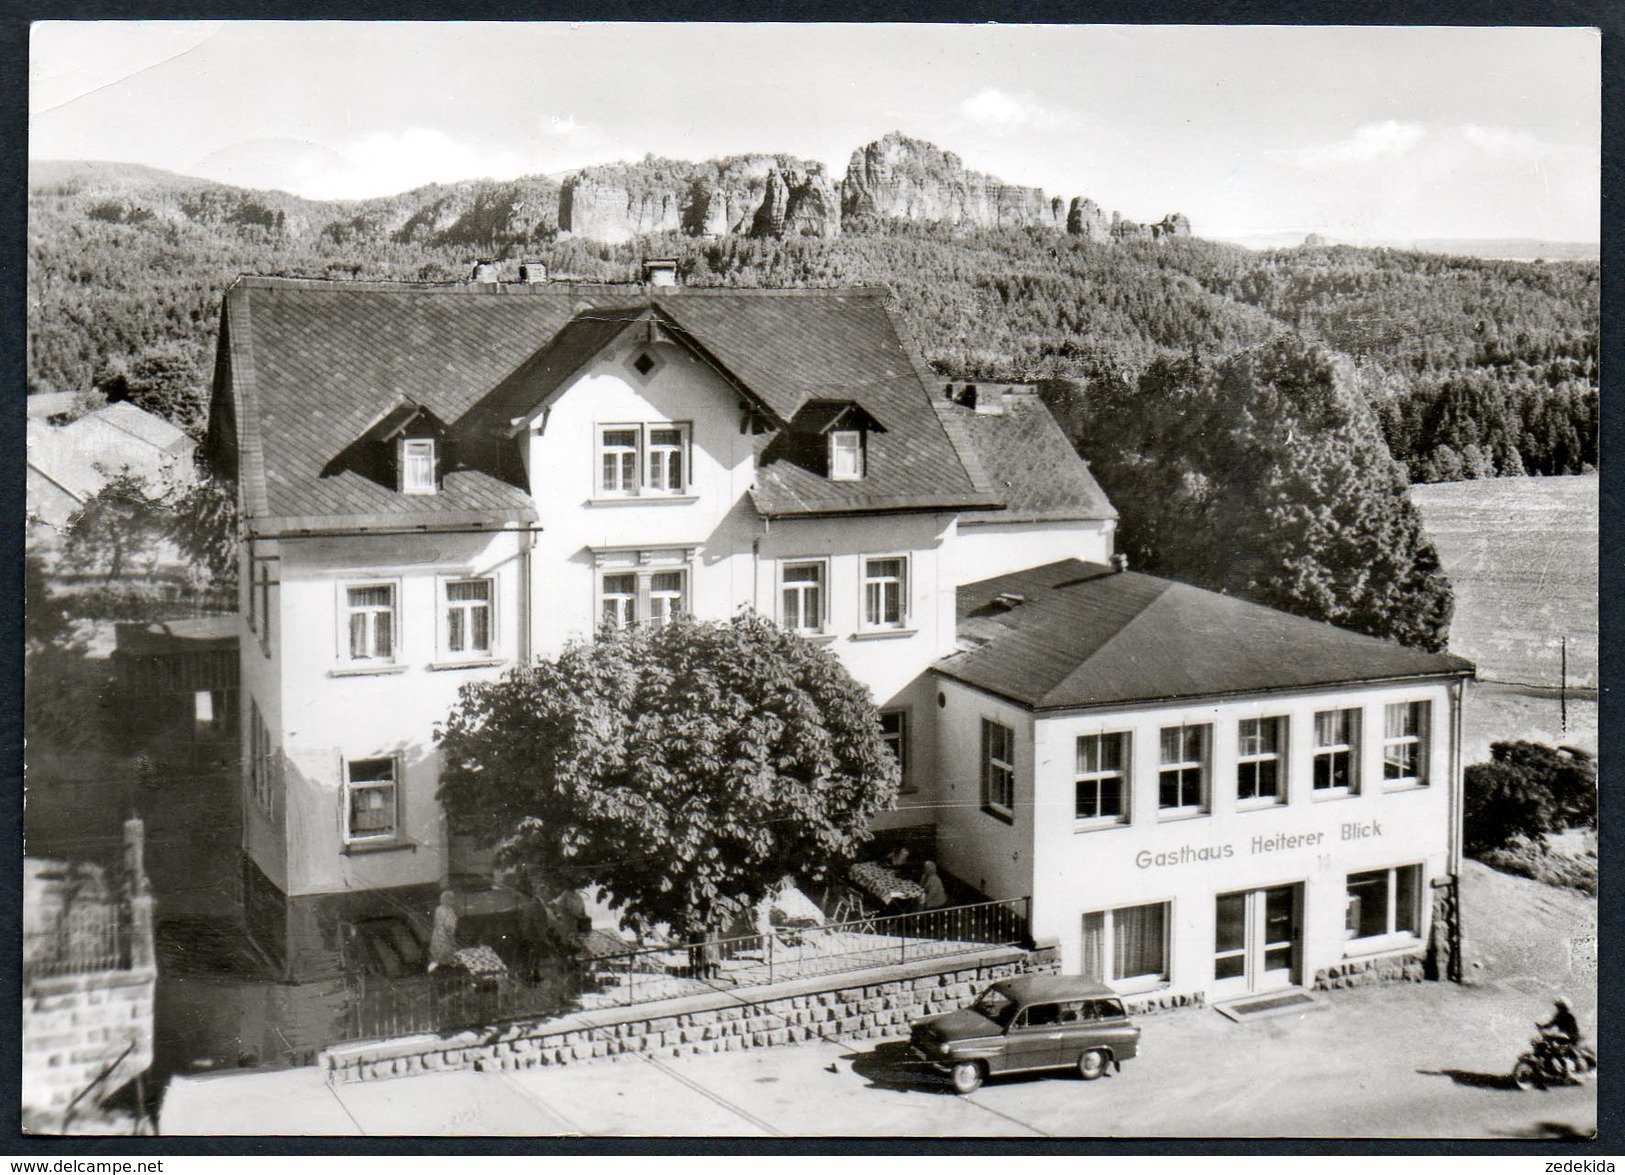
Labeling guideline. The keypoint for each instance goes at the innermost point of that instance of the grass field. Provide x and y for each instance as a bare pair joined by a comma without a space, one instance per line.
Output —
1522,554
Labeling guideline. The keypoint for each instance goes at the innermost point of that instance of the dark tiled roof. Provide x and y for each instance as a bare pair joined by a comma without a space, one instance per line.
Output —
315,363
1071,635
1030,464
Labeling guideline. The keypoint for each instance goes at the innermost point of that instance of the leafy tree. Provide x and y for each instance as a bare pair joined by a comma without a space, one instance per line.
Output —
1500,804
1567,774
1526,790
1264,475
684,768
164,380
201,521
122,526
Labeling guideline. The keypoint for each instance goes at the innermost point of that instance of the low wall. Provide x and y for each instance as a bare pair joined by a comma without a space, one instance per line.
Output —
1408,966
74,1026
878,1002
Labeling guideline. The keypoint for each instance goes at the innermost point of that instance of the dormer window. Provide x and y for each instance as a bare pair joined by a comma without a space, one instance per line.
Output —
417,461
845,455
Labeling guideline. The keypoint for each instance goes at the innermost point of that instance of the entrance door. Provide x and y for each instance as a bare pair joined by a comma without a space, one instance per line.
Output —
1255,940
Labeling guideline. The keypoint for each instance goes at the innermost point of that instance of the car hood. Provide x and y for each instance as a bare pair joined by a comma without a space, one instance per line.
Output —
962,1025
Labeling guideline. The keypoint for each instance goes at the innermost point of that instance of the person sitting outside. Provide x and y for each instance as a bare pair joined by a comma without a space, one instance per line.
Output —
936,894
897,859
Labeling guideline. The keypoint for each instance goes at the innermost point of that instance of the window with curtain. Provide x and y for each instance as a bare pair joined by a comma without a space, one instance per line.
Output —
885,592
468,617
372,622
1100,786
1337,751
1126,945
1405,743
803,597
1260,760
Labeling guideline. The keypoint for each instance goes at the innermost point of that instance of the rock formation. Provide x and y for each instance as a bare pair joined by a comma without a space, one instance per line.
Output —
899,178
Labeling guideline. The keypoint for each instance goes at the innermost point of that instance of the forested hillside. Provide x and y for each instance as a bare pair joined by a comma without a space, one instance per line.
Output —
1473,367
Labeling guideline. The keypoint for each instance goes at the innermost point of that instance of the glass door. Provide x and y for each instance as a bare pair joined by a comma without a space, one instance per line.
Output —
1230,972
1255,940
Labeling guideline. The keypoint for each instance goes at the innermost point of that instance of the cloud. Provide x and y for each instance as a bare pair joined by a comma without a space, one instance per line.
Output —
1510,143
566,127
1373,141
1002,111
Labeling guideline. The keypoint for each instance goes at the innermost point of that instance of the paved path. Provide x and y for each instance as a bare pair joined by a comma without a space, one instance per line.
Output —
1416,1060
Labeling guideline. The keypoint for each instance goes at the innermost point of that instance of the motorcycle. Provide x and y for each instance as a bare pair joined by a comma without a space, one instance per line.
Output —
1552,1062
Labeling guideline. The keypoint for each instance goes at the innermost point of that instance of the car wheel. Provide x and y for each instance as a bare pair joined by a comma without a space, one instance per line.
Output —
967,1077
1525,1075
1092,1064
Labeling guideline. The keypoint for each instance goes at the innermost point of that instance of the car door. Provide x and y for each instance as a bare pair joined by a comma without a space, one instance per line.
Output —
1112,1029
1034,1038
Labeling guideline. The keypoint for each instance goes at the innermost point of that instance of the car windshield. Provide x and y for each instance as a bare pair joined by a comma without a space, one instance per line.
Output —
996,1006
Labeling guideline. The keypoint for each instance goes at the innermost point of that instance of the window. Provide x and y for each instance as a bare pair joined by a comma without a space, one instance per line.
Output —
1126,945
665,596
1385,902
372,622
369,800
1102,777
468,618
1260,760
259,758
998,768
619,600
803,597
655,595
1182,779
1337,746
1405,743
894,733
885,592
417,467
618,453
636,459
846,455
666,460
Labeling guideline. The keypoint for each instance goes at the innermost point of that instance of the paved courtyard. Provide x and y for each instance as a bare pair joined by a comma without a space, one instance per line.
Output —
1421,1060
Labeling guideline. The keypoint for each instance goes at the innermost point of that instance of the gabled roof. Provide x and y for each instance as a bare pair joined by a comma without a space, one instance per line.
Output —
309,365
1073,635
1030,463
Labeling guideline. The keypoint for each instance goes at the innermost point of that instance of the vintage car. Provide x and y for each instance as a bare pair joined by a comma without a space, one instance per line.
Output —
1031,1022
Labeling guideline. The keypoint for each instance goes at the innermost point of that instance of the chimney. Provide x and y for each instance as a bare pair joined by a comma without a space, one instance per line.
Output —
660,271
485,273
965,396
1119,563
533,273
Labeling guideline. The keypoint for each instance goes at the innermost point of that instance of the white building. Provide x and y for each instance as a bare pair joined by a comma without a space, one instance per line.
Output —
440,482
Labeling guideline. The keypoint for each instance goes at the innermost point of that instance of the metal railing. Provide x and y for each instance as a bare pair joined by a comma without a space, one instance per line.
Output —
551,984
88,937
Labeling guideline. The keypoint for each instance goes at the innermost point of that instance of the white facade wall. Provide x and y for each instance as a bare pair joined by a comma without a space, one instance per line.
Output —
708,530
324,711
992,854
986,549
1311,841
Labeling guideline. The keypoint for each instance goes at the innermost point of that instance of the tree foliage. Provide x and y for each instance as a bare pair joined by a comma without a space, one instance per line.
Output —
1526,790
683,768
1264,475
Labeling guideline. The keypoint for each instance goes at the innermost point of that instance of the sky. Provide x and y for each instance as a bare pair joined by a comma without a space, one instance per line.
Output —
1355,133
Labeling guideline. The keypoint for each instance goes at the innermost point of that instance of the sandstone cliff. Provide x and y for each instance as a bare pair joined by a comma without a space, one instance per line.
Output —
764,195
899,178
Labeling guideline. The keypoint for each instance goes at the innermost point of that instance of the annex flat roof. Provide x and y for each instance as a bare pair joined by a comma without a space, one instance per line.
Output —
1074,635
